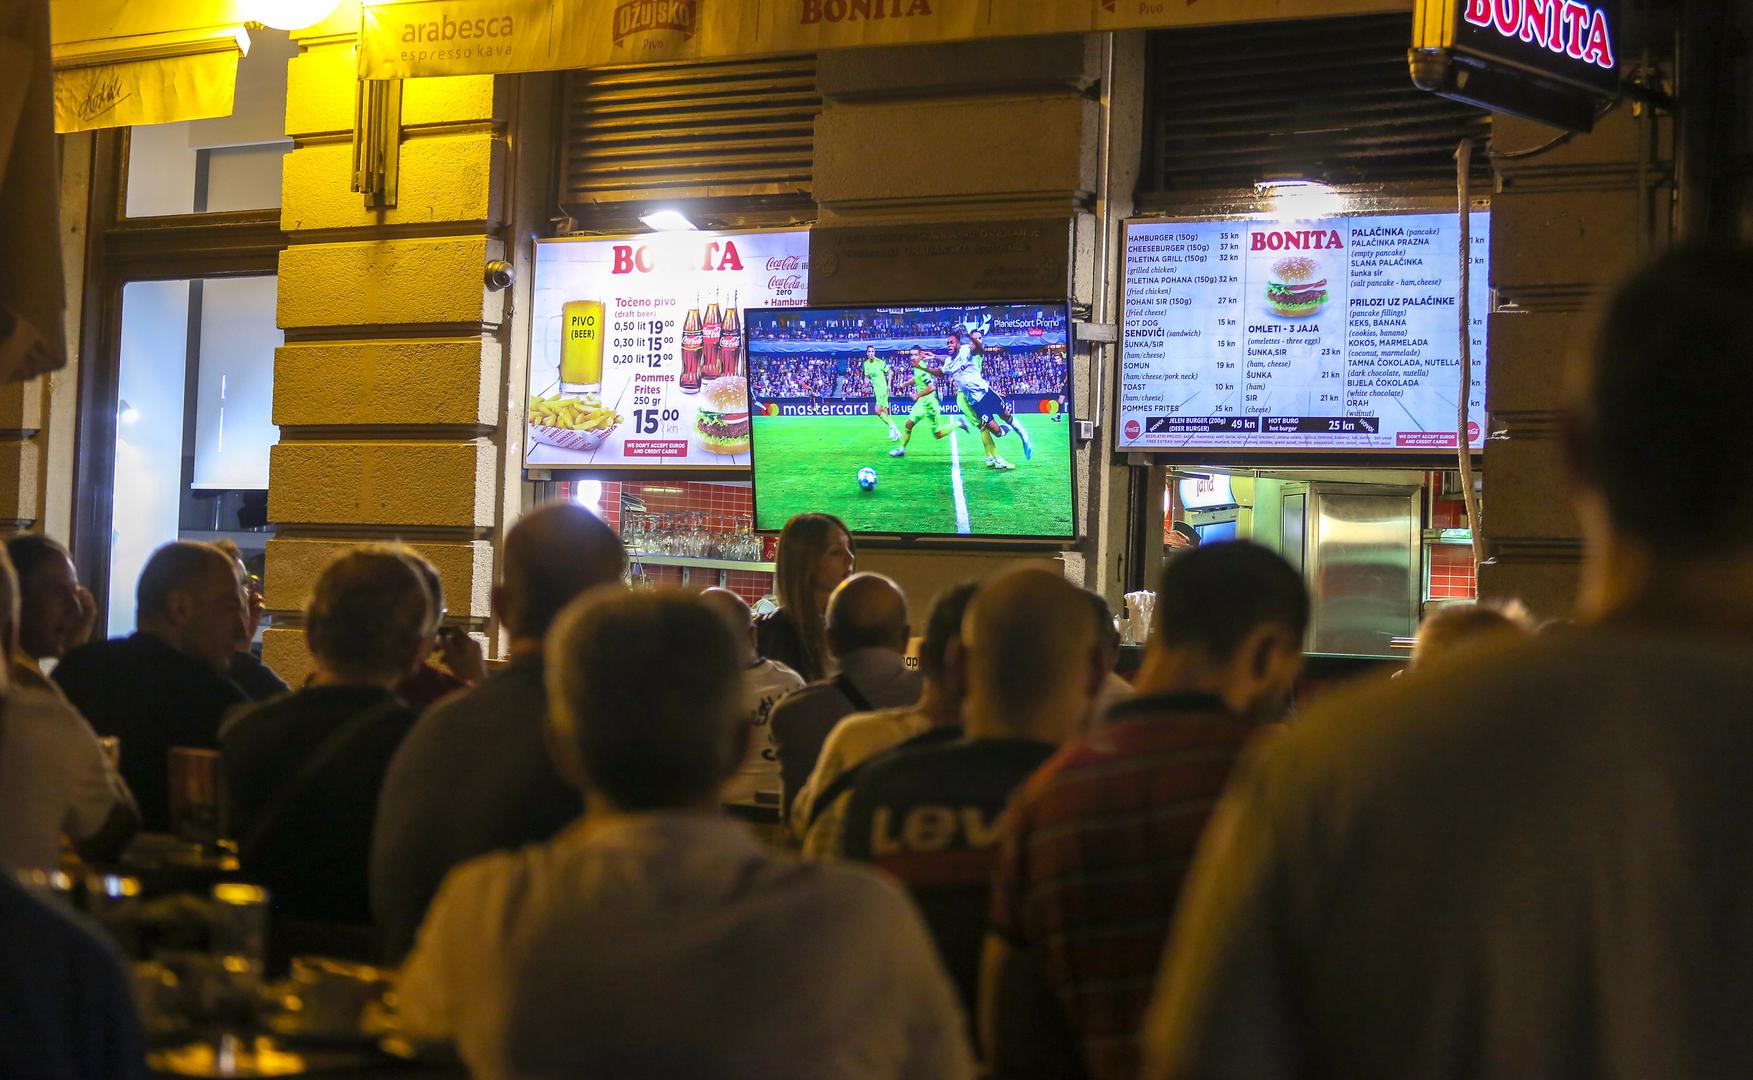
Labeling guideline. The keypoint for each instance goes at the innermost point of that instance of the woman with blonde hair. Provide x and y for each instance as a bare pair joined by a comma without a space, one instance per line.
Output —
816,553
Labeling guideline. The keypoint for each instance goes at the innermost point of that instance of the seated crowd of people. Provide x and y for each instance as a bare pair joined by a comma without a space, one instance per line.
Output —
792,376
669,839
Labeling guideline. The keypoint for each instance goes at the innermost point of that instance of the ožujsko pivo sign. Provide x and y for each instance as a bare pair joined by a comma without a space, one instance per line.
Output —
405,38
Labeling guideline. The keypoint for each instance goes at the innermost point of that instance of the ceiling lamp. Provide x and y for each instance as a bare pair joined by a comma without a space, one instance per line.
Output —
292,14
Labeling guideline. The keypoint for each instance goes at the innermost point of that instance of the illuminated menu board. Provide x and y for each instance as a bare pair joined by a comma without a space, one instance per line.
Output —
637,346
1333,335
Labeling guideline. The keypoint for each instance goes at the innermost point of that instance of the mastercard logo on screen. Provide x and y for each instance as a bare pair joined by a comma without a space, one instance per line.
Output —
1296,287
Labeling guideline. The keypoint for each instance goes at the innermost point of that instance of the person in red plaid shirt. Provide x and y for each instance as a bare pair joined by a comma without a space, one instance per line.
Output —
1095,845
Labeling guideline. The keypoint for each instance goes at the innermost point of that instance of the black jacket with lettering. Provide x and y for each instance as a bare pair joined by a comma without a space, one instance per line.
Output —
929,815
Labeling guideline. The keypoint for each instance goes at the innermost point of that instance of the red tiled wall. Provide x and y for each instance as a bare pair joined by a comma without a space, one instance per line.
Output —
749,584
1452,576
1448,513
1451,572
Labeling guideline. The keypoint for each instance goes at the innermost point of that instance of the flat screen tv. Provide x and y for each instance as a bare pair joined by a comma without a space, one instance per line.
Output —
948,420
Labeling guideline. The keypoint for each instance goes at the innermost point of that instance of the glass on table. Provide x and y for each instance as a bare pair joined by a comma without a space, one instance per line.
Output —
194,793
240,923
49,884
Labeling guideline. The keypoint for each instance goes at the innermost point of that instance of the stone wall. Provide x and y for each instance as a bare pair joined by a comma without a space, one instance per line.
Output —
387,391
922,137
1565,225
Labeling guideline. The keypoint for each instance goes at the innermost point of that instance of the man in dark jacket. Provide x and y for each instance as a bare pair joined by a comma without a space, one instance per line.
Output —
164,686
303,770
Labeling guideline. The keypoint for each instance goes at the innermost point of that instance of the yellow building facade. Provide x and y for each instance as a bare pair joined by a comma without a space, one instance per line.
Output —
399,390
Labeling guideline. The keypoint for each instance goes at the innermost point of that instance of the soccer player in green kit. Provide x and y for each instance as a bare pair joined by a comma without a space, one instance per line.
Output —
876,369
925,406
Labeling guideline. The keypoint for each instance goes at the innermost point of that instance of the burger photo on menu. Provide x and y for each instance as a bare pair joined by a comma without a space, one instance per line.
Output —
1295,287
722,418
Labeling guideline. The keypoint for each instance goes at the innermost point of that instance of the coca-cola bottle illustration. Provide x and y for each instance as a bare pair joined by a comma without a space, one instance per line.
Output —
693,346
730,342
711,334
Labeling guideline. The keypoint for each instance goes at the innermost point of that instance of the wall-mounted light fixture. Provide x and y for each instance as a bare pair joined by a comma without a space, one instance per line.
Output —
667,220
1299,199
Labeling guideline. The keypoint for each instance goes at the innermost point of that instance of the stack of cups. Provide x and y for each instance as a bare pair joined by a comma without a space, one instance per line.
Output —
1140,607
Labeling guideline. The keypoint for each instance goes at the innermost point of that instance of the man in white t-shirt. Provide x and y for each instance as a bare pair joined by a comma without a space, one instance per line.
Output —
756,784
54,777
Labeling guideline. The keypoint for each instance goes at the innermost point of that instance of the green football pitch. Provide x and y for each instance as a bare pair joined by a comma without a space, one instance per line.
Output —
811,463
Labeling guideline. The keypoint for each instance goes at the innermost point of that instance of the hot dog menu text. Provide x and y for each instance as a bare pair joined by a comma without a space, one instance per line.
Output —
1333,334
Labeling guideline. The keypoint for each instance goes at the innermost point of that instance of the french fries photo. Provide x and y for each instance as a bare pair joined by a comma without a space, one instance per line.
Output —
572,414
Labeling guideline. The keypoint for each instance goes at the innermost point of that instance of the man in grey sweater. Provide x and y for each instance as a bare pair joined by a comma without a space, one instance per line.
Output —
474,774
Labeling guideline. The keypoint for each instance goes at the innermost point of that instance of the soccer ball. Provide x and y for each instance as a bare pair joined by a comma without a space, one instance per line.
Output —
867,478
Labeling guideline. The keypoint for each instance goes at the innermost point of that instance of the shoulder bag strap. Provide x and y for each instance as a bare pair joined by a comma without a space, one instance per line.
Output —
860,703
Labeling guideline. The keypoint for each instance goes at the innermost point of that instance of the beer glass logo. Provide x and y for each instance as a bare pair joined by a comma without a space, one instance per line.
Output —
581,347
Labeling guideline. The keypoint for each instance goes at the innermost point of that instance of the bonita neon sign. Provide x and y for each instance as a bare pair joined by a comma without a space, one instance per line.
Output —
1567,27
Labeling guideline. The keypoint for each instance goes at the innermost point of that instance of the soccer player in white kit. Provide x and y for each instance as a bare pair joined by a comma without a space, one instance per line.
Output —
989,408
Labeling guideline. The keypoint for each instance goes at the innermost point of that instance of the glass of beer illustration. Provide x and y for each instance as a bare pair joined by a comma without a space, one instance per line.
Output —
581,347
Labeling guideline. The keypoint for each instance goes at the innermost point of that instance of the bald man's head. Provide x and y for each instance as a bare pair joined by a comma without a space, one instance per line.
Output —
867,611
1031,649
734,610
552,554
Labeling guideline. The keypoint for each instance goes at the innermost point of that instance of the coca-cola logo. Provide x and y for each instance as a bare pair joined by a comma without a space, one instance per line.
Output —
1132,429
785,284
783,262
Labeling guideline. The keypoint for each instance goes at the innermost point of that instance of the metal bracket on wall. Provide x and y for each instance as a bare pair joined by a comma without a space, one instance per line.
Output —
377,141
